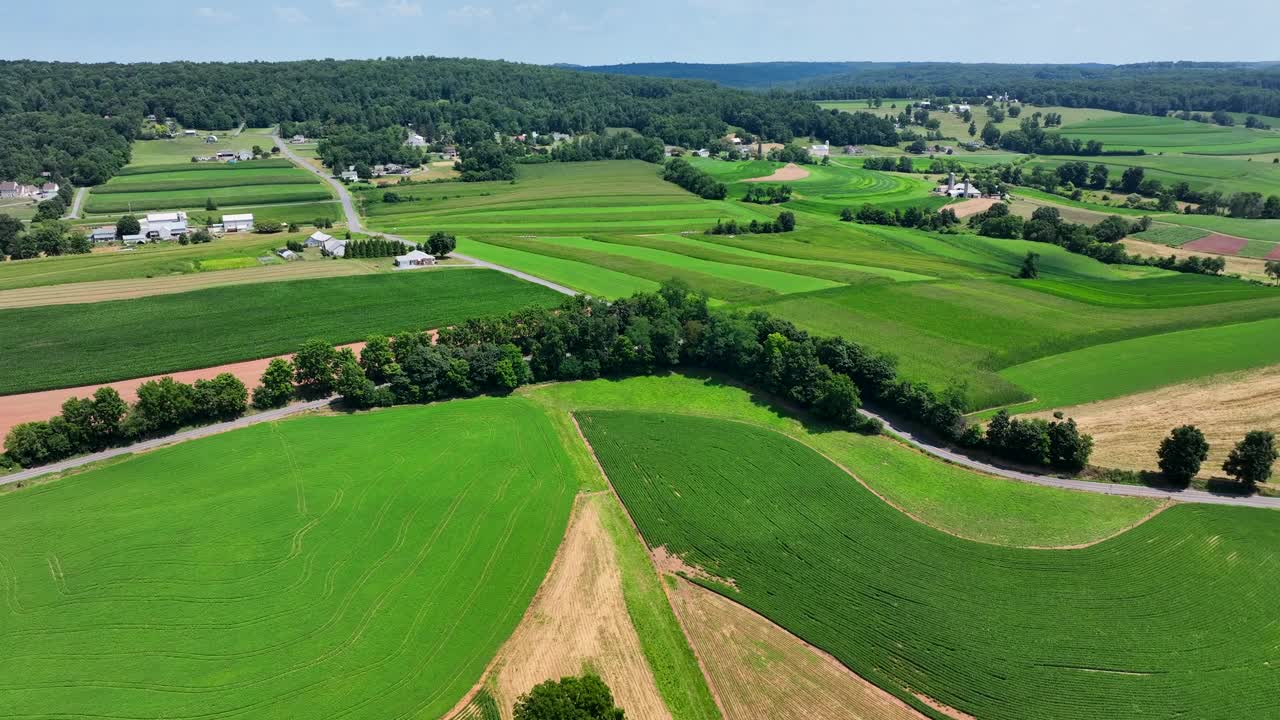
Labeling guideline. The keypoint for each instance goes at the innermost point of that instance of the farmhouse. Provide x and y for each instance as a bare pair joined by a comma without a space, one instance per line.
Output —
414,259
238,223
350,174
334,248
317,239
702,152
298,139
14,190
49,188
450,152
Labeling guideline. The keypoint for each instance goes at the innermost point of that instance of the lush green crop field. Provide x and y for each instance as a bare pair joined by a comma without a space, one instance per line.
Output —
829,188
1172,235
556,199
70,345
120,202
1132,627
1201,172
945,496
1131,132
961,332
581,276
200,180
1130,366
319,567
1263,235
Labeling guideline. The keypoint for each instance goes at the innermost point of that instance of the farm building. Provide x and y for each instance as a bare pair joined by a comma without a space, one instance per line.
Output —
450,152
189,133
15,190
820,150
210,139
415,140
852,150
287,254
238,223
225,155
702,152
164,226
298,139
106,233
49,188
350,174
245,155
334,248
414,259
317,239
958,190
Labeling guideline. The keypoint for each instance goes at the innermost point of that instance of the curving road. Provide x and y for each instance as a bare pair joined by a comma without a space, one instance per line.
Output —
355,225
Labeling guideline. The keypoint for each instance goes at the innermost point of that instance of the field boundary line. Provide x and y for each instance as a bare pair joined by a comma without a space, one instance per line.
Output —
666,591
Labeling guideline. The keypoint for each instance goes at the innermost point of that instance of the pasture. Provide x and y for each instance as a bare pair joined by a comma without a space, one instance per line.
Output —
1129,366
278,572
1167,134
182,148
71,345
1129,627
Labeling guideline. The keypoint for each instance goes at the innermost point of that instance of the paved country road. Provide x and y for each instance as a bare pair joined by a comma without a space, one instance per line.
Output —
355,225
76,203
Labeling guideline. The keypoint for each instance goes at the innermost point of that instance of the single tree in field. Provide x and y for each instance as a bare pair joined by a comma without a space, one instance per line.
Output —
276,387
570,698
1030,267
1273,270
209,204
973,129
1251,459
127,225
1182,452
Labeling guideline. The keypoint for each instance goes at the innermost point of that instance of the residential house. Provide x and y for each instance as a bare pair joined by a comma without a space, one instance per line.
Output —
350,174
238,223
379,170
702,152
106,233
317,239
414,259
298,139
49,188
10,189
450,152
334,248
671,151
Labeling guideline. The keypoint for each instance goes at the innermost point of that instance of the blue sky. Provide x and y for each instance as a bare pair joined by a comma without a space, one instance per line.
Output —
606,31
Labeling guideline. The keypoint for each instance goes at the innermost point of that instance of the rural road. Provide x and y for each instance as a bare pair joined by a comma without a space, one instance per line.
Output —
191,434
76,203
355,225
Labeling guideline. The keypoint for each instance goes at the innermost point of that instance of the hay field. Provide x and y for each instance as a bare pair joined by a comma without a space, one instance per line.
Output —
277,572
1130,627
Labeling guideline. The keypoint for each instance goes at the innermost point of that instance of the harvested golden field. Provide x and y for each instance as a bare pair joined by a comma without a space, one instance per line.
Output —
579,620
1248,267
758,670
1127,430
102,290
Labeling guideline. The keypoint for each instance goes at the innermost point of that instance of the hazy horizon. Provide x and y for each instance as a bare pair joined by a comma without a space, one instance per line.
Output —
582,32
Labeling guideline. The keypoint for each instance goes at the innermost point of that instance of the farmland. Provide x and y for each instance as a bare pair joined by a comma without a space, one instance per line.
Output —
946,497
1134,132
1129,366
275,571
69,345
994,632
261,182
181,149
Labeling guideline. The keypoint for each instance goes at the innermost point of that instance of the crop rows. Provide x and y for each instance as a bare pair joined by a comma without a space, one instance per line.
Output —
1133,627
274,572
249,195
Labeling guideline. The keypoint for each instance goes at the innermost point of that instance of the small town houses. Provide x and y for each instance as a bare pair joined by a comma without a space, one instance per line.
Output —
10,190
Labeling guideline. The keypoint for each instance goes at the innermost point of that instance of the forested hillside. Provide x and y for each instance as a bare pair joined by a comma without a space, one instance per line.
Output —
432,94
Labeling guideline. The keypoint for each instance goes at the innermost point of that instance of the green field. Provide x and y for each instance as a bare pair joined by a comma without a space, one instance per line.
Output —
1131,366
319,567
71,345
182,148
124,202
302,213
945,496
1133,132
1171,235
1263,235
1132,627
583,277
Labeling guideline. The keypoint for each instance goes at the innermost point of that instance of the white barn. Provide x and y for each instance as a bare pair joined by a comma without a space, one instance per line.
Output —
317,239
238,223
414,259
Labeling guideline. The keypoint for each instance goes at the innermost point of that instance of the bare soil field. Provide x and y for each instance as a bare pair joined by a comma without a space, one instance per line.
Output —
974,206
100,290
15,409
578,620
1274,254
1218,243
1128,430
760,671
1236,265
790,171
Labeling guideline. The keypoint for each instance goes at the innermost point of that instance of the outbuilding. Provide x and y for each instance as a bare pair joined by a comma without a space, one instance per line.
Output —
415,259
106,233
238,223
334,248
317,239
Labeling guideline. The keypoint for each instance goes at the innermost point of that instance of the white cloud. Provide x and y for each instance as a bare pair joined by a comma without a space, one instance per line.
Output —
214,14
404,8
470,14
290,15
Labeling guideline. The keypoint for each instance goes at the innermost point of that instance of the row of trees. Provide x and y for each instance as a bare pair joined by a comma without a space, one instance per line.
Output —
48,238
912,217
767,194
696,181
1054,443
374,248
785,222
616,146
1183,451
105,420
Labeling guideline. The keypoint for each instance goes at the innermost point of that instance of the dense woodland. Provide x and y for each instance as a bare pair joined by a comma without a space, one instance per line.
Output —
436,96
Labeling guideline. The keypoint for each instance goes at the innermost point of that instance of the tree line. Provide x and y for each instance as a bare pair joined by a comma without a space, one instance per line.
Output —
48,238
86,149
767,194
1184,450
696,181
784,223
